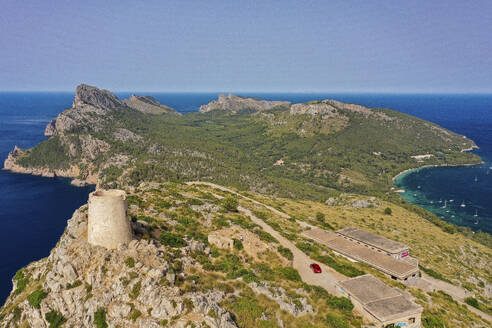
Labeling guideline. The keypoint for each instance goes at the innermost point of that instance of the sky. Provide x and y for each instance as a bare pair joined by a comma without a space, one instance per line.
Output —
251,46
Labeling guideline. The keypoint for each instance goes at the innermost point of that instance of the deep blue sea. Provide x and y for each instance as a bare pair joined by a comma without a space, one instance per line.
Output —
34,210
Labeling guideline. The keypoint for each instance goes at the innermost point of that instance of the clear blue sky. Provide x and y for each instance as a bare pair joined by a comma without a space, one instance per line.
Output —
317,46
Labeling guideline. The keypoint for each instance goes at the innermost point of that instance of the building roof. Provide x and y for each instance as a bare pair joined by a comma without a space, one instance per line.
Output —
373,239
359,252
383,302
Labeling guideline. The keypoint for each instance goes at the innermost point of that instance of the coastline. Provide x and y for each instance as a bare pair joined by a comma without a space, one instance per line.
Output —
404,172
414,169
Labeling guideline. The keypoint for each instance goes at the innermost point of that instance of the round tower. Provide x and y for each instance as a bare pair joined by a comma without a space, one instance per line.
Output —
109,224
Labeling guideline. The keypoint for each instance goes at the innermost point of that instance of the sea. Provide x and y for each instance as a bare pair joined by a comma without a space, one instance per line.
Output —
34,210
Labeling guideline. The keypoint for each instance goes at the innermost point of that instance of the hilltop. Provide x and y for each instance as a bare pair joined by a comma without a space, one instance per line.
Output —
177,272
309,150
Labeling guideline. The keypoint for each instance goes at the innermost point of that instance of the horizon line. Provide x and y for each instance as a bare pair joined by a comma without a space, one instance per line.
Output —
416,92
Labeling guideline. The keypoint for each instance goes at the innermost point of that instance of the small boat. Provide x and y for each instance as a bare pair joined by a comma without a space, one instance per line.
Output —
445,203
451,200
440,200
418,187
476,179
476,222
463,204
476,213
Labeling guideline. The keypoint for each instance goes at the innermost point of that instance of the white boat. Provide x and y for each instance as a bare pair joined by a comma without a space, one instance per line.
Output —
476,179
463,204
476,214
451,200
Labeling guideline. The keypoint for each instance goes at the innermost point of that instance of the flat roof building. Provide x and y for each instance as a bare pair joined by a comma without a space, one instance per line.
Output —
385,306
380,243
403,270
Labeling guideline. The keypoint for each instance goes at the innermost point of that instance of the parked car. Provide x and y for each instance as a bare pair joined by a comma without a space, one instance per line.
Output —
315,267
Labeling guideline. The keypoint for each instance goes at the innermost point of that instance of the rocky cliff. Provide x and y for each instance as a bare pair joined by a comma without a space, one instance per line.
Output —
133,286
148,105
236,104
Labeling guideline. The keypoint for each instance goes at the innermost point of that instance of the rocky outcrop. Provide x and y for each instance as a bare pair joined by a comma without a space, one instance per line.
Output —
297,307
331,107
236,104
148,105
134,285
50,128
89,95
313,108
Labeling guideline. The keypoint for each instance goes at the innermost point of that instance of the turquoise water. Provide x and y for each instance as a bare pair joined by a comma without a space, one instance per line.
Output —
34,210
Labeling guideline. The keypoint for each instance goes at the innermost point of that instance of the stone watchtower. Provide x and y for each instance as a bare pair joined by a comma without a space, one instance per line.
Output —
109,224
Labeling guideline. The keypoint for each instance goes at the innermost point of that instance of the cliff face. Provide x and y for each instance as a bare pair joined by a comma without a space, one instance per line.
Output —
148,105
134,284
235,104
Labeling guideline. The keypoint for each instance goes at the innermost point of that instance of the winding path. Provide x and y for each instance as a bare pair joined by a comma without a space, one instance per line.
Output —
329,277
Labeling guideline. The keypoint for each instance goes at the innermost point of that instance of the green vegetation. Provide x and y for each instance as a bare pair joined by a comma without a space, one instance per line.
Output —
134,315
75,284
130,262
36,297
172,240
285,252
320,155
230,203
237,244
135,292
388,211
100,318
55,319
22,281
434,274
335,321
472,301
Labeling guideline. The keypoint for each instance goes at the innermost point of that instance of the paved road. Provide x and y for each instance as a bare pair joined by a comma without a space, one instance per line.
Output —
301,261
330,277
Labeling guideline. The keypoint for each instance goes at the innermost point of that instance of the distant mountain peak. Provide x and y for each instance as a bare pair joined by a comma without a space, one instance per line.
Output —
90,95
235,104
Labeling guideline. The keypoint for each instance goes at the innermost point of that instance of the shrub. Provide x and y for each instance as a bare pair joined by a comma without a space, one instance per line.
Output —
285,252
100,318
36,297
288,273
237,244
320,217
306,248
434,274
172,240
343,268
265,236
130,262
472,302
341,303
230,204
55,319
388,211
22,281
432,322
75,284
135,290
335,321
133,316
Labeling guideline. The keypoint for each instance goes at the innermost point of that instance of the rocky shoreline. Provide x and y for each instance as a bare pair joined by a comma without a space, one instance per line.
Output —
73,172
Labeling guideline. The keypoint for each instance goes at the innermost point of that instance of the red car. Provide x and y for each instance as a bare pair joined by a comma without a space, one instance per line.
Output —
315,267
